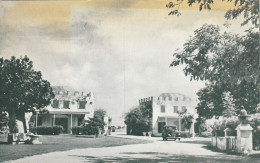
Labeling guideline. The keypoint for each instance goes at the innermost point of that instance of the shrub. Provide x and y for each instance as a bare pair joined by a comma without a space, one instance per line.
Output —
76,130
186,134
48,130
220,125
206,134
84,130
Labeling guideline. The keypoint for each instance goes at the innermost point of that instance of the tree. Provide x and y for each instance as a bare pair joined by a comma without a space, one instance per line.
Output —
100,114
248,8
229,105
187,120
22,89
93,125
227,62
138,120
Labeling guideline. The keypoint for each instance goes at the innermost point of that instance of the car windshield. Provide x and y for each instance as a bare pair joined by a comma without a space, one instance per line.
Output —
171,128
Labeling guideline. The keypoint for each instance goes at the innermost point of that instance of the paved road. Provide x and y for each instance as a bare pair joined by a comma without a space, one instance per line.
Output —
158,151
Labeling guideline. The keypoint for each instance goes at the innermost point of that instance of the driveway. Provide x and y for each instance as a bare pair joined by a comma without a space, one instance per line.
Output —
157,151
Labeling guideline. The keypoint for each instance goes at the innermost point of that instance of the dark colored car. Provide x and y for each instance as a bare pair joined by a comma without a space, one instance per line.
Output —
171,132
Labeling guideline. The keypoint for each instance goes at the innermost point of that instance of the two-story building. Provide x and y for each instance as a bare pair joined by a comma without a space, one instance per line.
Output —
166,108
69,108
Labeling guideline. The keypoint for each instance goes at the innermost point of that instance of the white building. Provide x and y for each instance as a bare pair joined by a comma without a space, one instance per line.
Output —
165,110
69,108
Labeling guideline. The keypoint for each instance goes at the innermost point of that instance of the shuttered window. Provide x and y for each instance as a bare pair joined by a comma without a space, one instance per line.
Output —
175,109
162,108
66,104
82,104
55,104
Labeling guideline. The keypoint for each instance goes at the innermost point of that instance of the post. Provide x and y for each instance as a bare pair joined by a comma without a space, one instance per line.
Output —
53,120
71,123
244,134
179,123
36,119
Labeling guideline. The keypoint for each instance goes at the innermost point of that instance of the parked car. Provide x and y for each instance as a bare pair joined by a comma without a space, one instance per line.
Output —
171,132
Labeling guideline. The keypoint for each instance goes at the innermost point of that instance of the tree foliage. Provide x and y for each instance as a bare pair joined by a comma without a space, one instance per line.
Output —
139,120
3,120
248,8
100,114
220,57
228,63
22,89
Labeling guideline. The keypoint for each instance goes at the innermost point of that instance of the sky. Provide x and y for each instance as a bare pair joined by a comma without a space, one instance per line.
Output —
119,50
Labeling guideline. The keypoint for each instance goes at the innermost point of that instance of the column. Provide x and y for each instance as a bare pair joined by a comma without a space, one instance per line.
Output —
36,119
53,120
179,123
71,123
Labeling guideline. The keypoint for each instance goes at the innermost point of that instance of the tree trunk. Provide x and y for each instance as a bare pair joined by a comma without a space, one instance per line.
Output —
12,119
21,117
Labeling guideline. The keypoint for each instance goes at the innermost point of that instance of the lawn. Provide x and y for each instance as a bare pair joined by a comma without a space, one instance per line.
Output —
60,143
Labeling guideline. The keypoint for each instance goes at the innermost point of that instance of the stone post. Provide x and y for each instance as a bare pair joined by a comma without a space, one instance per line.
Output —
244,134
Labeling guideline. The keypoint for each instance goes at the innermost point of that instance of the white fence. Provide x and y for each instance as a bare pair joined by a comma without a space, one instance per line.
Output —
228,143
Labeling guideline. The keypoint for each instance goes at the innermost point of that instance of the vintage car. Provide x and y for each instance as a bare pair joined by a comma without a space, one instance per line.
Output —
171,132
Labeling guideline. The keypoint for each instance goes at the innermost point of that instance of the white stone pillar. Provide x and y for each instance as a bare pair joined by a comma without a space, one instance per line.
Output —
244,138
192,129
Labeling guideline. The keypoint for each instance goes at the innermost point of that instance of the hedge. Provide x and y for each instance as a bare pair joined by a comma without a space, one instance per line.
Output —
84,130
48,130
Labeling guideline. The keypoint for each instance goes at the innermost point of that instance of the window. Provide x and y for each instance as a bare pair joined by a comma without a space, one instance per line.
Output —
176,98
80,120
82,104
170,98
184,109
175,109
55,104
162,108
184,98
66,104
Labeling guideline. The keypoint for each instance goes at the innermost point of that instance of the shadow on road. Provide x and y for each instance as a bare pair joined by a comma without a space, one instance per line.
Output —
165,157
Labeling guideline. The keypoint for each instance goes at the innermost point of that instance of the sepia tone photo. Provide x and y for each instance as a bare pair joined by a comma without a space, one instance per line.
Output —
129,81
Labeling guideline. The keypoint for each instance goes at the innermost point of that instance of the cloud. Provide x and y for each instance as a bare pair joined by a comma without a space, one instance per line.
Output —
121,55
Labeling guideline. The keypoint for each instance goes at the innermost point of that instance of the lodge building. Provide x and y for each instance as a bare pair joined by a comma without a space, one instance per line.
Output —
166,108
69,108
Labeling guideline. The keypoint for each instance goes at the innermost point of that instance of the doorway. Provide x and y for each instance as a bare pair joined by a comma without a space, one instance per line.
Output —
62,122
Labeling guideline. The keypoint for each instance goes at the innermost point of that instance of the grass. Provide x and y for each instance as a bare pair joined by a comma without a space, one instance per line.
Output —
60,143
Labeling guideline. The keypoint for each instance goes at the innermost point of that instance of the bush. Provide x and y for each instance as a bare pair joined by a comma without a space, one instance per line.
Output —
206,134
84,130
220,125
77,130
48,130
186,134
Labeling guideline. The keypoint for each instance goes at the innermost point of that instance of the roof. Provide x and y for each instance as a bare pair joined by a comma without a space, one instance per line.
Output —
172,95
62,88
